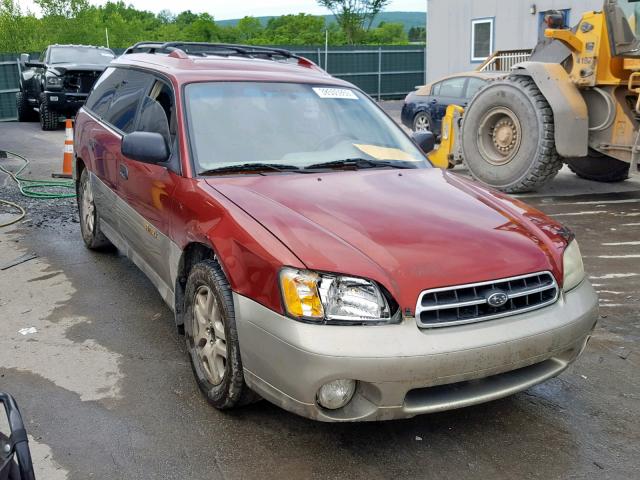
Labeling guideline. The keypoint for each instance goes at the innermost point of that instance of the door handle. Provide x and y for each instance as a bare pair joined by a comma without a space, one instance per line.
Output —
124,171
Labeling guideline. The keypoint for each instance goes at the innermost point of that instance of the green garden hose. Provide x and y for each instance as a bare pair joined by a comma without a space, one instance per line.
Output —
27,186
33,188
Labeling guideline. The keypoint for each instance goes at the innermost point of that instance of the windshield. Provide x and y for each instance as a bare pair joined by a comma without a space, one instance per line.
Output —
92,56
292,125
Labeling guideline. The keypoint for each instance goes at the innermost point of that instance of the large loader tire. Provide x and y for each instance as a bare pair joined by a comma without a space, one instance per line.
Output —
599,167
508,136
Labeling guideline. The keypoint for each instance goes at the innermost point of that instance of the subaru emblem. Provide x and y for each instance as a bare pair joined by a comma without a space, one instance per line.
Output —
497,298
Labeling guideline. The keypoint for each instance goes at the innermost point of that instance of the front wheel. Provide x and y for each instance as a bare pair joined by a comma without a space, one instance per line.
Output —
422,123
599,167
212,337
25,111
48,117
508,136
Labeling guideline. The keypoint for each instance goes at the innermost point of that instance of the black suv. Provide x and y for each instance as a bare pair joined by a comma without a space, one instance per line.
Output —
57,84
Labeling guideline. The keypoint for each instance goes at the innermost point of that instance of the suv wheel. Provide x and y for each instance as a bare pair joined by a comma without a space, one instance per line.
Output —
212,338
25,111
93,238
48,117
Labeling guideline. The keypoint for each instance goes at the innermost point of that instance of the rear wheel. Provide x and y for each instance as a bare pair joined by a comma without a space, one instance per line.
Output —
48,117
599,167
93,237
25,111
508,140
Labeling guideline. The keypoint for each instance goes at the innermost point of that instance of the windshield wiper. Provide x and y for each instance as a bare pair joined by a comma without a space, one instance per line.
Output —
250,167
357,163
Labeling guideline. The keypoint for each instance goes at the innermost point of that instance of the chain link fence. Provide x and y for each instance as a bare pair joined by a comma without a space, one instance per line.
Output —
386,72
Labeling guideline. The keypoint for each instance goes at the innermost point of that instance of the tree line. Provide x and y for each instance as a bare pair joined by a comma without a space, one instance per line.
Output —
78,22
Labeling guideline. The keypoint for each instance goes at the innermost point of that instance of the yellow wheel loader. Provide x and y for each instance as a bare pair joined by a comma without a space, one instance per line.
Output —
575,101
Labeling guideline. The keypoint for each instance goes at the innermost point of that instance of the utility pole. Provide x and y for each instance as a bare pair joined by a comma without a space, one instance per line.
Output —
326,47
106,34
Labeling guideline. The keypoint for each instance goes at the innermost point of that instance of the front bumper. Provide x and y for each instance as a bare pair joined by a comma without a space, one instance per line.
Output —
65,102
403,371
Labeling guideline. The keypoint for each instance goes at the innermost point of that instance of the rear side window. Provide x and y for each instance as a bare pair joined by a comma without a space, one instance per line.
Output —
473,86
103,91
131,88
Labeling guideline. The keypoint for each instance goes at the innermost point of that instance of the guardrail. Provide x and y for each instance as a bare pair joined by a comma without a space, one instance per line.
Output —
504,60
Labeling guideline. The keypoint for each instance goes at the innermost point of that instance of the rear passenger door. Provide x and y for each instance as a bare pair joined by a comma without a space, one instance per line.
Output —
474,84
147,189
451,91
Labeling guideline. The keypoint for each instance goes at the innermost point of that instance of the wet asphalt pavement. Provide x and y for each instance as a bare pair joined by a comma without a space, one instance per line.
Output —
107,390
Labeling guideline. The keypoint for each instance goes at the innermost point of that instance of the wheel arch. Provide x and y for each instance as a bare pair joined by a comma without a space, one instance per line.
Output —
571,117
192,254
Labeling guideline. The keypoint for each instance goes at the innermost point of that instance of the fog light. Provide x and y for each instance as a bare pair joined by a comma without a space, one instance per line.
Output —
336,394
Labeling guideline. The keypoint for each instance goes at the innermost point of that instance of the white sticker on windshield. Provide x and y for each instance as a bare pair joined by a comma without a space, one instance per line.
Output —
335,93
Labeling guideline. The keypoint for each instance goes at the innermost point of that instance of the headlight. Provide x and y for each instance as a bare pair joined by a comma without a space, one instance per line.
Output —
54,81
573,266
333,298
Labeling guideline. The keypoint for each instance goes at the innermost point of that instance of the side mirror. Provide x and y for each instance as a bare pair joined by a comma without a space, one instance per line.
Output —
425,140
31,64
24,58
146,147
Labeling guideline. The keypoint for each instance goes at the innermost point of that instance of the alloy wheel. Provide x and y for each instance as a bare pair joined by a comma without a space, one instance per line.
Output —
209,337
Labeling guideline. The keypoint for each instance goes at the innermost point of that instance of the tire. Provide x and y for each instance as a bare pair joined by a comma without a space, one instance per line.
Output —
212,338
599,167
25,111
48,117
508,141
93,237
422,122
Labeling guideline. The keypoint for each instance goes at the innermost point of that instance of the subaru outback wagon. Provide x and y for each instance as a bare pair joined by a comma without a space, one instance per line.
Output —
310,251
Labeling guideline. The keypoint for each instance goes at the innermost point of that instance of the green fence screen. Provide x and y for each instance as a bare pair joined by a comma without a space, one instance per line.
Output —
383,72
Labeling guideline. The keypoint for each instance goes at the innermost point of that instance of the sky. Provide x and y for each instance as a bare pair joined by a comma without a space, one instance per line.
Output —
226,9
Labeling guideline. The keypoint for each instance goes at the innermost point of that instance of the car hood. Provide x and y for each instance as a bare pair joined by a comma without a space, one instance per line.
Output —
62,68
409,230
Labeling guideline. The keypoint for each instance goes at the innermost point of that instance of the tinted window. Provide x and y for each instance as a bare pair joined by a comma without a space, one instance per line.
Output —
453,87
103,91
131,87
158,112
473,86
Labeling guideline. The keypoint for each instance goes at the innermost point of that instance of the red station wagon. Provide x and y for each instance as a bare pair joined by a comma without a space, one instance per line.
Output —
310,251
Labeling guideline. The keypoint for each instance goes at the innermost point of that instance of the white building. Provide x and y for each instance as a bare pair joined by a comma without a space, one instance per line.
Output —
461,34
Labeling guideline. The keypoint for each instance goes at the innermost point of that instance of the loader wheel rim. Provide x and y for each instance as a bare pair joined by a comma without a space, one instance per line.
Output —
499,136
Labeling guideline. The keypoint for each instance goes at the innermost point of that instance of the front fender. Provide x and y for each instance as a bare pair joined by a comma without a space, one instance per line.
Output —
571,117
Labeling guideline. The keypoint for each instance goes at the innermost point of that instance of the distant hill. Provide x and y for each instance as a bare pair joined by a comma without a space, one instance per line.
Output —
408,19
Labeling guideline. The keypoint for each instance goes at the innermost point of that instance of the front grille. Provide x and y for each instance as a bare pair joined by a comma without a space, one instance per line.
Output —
80,82
443,307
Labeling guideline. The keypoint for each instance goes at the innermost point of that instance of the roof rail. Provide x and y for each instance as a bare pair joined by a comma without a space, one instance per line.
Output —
220,49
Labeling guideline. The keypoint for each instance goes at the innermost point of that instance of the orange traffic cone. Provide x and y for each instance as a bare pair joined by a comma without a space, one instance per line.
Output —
67,159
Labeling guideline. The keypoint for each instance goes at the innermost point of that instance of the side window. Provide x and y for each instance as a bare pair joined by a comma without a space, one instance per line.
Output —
453,87
158,113
130,89
473,85
103,91
435,90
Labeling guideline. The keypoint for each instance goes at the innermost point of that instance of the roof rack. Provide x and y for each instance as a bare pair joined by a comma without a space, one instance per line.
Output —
219,49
